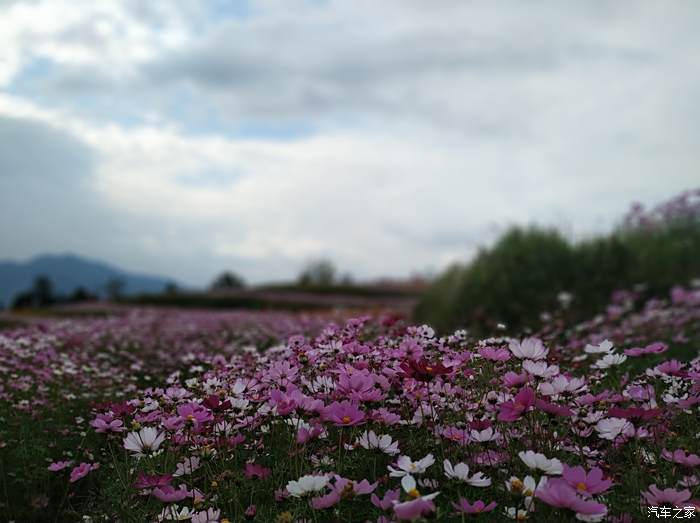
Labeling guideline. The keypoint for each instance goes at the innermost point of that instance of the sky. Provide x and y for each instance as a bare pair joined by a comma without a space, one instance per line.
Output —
185,137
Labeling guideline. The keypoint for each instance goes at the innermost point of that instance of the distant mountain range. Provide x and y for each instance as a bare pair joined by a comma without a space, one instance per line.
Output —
67,272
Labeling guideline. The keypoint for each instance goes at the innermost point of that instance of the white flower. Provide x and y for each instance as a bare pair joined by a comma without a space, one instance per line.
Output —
145,441
609,360
461,472
408,483
611,428
370,440
306,485
207,516
517,514
187,466
175,513
562,384
537,461
604,347
525,487
485,435
407,466
529,348
540,368
592,518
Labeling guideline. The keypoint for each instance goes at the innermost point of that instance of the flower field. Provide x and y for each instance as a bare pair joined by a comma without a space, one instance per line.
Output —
157,415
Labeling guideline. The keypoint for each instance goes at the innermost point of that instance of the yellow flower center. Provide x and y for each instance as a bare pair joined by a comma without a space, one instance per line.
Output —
346,419
429,369
516,485
581,486
413,493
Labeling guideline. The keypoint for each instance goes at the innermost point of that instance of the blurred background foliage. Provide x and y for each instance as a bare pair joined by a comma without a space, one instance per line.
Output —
533,271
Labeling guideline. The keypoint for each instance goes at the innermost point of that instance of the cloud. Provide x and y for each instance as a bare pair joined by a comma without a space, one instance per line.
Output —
391,137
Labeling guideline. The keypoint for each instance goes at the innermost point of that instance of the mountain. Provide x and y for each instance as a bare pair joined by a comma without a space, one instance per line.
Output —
67,272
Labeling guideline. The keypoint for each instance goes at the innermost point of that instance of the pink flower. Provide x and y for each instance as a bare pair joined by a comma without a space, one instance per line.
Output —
147,481
679,456
476,508
669,496
194,413
107,423
512,410
59,465
558,493
327,501
654,348
414,509
343,414
82,470
586,484
391,497
492,354
168,494
252,470
553,408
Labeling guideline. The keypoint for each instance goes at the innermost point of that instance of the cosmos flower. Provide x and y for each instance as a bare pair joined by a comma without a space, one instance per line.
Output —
558,493
307,485
370,440
461,472
343,414
424,370
145,441
611,428
528,348
82,470
465,507
603,347
405,466
679,456
537,461
586,483
609,360
655,496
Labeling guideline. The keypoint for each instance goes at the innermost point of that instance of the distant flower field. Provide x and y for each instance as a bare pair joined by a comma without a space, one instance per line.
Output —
211,417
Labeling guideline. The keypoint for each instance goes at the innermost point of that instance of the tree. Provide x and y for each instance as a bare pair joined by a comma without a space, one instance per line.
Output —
115,288
318,273
42,291
227,281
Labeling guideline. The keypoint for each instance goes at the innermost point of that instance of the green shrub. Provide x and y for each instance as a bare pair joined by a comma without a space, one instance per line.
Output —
525,272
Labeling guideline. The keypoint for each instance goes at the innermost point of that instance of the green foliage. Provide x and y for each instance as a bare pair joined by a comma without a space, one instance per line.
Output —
523,274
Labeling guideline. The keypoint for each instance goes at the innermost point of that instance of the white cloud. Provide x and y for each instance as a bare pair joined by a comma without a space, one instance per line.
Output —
430,128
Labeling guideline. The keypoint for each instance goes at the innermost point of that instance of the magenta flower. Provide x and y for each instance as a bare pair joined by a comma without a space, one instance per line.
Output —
82,470
492,354
327,501
107,423
679,456
591,483
194,413
414,509
512,410
147,481
391,497
477,507
558,493
654,348
253,470
553,408
59,465
169,494
669,496
343,414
